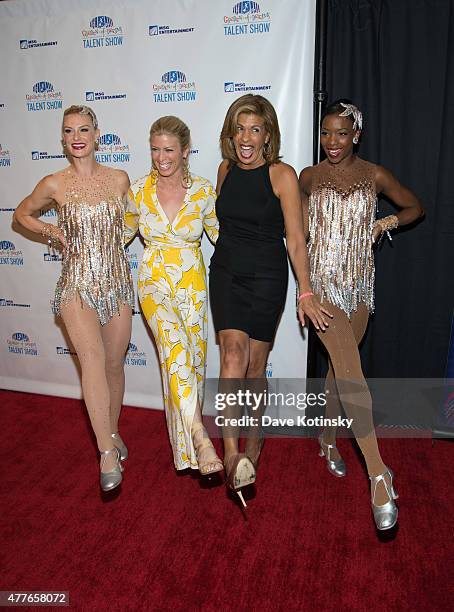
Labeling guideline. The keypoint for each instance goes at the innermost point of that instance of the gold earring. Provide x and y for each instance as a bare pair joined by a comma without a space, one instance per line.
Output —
187,179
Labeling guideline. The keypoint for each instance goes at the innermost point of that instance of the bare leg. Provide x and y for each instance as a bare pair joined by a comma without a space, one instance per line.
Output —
235,354
84,329
116,335
256,383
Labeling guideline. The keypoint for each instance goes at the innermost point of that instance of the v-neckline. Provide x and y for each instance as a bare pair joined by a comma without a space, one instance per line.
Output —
163,213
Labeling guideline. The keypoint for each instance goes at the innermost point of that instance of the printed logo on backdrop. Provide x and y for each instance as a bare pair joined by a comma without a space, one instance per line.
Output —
48,212
247,18
159,30
134,357
102,32
132,257
174,87
99,96
43,155
52,256
5,159
9,255
7,303
112,150
241,87
21,344
25,43
63,350
44,97
269,370
2,105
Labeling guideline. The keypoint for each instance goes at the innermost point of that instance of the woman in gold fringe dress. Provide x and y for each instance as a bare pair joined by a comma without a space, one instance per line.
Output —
94,294
339,205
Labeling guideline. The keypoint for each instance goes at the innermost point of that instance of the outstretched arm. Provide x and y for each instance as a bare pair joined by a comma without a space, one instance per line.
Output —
305,181
285,186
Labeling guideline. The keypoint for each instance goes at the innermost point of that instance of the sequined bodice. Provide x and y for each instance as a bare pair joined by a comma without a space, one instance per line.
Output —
342,208
94,262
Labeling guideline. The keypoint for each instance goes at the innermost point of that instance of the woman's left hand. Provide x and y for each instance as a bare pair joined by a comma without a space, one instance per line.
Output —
309,306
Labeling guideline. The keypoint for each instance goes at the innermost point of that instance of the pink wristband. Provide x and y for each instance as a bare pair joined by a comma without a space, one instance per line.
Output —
304,295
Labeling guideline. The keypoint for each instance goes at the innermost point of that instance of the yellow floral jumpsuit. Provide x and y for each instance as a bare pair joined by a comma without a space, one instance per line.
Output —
173,296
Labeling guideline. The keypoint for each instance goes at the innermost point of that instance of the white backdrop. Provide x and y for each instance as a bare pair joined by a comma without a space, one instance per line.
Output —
133,61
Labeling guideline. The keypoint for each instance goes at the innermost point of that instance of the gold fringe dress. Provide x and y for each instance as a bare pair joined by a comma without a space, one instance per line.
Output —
173,296
94,264
342,209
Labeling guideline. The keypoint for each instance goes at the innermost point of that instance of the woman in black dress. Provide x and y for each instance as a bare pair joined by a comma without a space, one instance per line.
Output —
258,202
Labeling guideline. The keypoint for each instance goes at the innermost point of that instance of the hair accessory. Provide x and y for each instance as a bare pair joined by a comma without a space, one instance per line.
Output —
351,109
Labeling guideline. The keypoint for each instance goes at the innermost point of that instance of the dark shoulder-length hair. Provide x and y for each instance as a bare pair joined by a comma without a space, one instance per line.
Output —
250,104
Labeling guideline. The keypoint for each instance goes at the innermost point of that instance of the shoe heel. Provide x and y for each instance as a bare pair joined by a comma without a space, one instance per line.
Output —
240,495
321,453
394,493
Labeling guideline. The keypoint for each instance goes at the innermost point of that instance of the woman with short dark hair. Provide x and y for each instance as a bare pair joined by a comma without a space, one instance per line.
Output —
339,203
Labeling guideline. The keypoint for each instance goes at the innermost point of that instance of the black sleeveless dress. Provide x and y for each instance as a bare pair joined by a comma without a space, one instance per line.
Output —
249,270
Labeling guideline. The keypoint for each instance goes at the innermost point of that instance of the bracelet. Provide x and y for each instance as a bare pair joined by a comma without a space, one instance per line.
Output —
50,232
385,224
388,223
304,295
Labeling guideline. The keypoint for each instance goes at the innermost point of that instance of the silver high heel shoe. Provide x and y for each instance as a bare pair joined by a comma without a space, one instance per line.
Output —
110,480
121,446
338,467
385,516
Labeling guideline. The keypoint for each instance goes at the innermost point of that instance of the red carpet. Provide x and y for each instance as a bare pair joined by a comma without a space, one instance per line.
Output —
166,542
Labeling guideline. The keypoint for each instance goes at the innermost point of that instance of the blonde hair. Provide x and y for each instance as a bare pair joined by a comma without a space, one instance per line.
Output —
251,104
173,126
81,109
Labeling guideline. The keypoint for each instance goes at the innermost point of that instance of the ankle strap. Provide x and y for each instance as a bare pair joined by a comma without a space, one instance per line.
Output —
105,454
375,480
328,446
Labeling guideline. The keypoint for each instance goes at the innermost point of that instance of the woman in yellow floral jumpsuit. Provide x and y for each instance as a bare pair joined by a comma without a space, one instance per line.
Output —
172,287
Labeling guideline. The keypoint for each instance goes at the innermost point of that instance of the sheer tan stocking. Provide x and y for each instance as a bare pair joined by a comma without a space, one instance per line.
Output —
341,341
84,329
115,336
358,323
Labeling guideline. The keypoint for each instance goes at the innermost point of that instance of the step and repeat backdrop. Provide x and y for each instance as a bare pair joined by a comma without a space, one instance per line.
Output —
132,61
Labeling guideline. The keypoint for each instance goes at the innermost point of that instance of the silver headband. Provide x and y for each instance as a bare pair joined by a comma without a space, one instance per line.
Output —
351,109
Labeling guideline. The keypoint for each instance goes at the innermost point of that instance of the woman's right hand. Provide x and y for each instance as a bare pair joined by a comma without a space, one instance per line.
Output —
310,306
